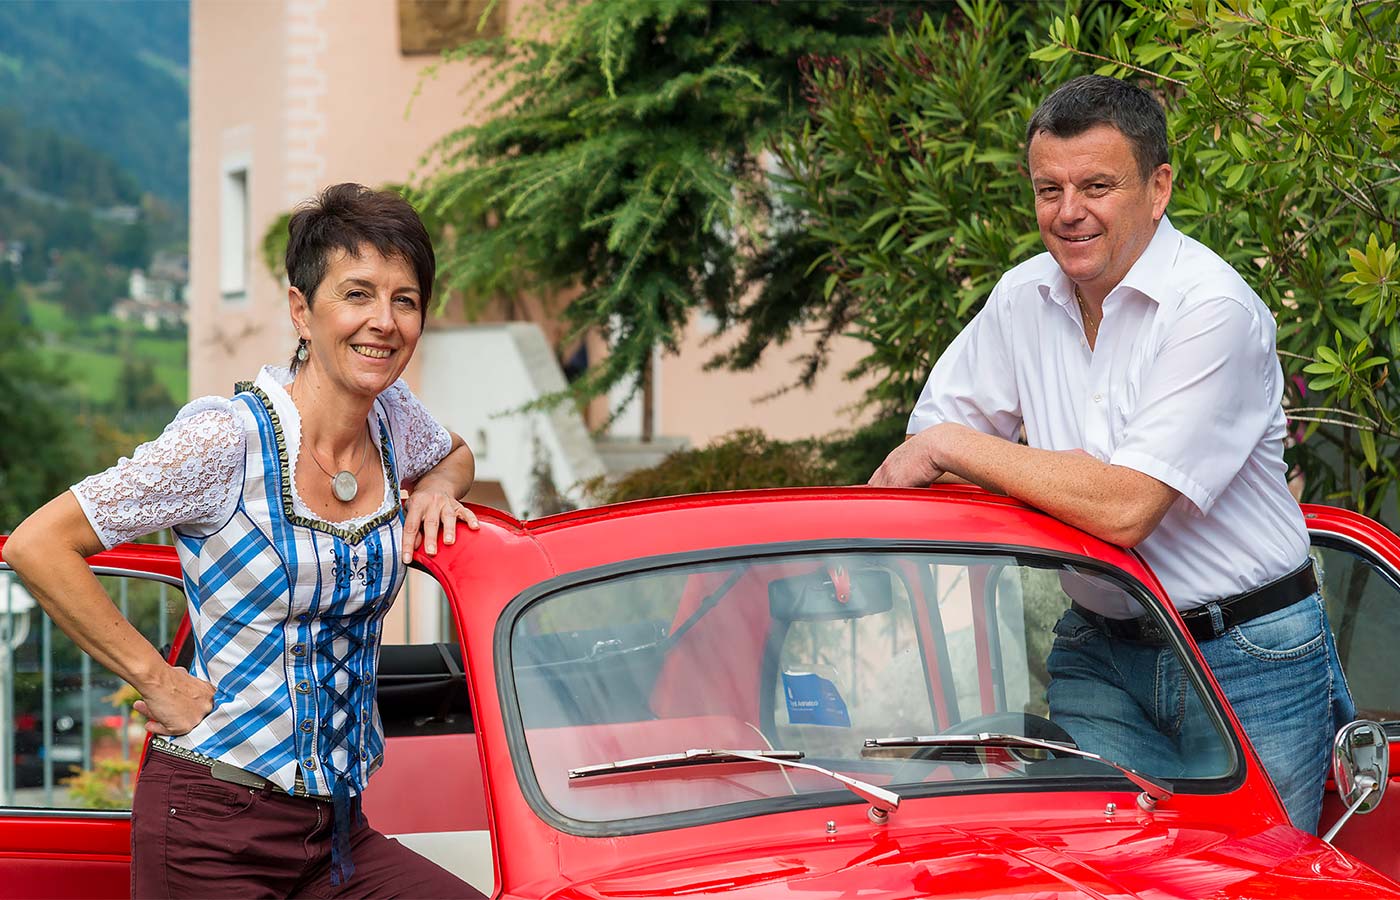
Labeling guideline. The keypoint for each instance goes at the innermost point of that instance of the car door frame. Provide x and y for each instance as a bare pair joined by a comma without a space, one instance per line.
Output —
1370,838
74,852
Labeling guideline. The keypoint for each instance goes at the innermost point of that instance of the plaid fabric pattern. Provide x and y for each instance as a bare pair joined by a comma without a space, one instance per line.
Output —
286,614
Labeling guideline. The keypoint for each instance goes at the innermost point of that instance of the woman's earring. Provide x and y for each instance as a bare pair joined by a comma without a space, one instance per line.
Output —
302,352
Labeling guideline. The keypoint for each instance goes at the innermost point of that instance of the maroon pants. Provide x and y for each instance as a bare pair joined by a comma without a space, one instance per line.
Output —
195,836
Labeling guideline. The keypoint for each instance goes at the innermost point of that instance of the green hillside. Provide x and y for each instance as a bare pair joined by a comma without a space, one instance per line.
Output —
113,75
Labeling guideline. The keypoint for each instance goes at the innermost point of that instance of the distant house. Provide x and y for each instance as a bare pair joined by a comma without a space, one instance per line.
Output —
151,314
12,252
167,280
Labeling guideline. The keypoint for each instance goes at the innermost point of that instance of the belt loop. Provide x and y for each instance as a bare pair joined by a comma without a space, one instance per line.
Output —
1217,618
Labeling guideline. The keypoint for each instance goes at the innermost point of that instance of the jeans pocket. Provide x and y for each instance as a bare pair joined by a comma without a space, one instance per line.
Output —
1290,633
1073,628
215,800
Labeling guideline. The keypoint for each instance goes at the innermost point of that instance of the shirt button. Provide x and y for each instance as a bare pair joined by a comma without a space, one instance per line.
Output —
364,755
298,649
307,725
310,762
303,687
304,618
1098,398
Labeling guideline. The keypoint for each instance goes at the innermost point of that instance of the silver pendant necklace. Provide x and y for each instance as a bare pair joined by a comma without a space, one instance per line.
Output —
344,484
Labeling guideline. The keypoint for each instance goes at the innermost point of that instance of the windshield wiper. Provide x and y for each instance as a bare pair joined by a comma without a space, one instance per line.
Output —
882,802
1153,790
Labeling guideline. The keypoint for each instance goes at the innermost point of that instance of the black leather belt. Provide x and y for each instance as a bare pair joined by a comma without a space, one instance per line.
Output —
228,772
1236,610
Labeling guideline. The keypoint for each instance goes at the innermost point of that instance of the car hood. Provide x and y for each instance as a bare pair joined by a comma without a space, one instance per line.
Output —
1097,860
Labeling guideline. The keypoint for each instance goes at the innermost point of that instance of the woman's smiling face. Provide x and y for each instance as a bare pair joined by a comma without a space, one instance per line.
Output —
363,323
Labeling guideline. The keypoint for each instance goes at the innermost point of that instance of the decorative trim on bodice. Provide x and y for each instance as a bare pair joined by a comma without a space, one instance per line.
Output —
353,536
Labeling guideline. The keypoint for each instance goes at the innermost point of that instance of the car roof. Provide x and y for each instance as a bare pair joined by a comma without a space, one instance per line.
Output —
955,516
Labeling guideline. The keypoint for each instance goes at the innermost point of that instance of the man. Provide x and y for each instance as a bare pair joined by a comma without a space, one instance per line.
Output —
1143,371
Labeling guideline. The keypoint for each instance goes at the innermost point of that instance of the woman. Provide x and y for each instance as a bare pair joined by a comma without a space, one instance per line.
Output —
262,750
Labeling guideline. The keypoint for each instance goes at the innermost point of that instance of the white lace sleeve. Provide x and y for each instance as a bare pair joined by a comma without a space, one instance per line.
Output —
190,476
420,441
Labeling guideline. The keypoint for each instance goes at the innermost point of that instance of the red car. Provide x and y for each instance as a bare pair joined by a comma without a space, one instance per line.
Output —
810,693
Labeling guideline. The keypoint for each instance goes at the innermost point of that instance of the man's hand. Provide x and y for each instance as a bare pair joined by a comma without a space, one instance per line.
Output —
431,512
908,465
177,704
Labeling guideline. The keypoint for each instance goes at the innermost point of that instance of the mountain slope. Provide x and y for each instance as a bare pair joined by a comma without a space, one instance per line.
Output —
110,74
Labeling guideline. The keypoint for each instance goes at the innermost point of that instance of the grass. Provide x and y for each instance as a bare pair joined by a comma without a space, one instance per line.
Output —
47,316
94,372
92,355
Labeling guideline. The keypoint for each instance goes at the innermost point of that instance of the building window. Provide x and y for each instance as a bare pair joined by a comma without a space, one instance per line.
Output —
233,234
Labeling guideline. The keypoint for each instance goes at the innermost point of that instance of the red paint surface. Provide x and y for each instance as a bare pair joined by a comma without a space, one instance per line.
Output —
1001,842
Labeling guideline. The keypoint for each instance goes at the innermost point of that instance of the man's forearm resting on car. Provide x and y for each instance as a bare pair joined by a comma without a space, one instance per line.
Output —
1115,503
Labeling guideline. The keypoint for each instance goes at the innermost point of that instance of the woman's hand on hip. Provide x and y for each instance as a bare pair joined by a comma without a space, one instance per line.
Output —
178,704
430,513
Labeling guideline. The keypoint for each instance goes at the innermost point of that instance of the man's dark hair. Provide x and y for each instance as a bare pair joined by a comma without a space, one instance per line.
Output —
1090,100
347,217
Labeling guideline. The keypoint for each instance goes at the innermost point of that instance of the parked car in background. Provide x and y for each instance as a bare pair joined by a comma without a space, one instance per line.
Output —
815,693
68,745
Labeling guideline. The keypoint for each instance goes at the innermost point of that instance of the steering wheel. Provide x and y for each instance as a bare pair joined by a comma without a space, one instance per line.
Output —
1024,724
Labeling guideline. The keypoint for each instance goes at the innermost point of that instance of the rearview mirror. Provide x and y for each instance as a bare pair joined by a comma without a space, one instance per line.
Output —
833,592
1361,768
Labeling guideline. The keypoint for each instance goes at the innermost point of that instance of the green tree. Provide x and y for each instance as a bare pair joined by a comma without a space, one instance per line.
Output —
39,456
138,390
908,182
85,287
1286,119
623,158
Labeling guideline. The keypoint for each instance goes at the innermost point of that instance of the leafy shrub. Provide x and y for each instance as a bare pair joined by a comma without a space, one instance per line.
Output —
1286,119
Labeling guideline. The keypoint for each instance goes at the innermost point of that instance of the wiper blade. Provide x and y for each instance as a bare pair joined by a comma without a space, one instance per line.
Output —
683,758
1154,791
882,801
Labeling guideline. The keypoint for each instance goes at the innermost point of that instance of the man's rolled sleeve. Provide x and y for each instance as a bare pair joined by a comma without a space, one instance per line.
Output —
1205,402
974,383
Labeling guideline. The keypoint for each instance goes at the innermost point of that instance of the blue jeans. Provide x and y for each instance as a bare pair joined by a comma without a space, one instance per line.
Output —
1132,702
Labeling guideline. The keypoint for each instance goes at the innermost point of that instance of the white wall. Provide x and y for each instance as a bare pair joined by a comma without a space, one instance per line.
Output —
472,377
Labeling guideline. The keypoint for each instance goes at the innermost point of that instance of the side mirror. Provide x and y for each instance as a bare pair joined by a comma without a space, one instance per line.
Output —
1361,768
832,592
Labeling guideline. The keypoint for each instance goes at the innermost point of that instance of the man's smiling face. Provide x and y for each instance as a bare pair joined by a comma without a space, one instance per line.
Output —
1096,212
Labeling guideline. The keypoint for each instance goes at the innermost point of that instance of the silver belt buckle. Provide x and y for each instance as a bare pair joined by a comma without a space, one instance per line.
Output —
234,775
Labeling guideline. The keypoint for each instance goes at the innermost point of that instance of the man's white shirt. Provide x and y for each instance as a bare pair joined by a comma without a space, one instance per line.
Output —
1183,384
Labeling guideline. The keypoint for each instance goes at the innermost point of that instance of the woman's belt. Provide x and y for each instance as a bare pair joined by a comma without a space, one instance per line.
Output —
227,772
1271,597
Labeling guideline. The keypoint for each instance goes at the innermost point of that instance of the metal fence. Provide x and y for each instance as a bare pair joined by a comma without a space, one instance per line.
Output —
57,718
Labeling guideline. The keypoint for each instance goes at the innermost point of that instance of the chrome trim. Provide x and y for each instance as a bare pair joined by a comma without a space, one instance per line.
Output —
1371,555
133,573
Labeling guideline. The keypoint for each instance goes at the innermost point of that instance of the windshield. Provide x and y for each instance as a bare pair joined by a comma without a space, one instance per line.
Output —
820,652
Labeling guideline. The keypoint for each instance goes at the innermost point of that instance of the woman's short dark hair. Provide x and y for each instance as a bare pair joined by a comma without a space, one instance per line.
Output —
1090,100
347,217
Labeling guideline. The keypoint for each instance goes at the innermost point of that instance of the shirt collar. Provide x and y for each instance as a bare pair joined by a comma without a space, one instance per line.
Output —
1148,275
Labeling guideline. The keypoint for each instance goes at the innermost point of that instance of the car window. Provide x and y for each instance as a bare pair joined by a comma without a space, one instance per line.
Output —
69,740
814,653
1363,605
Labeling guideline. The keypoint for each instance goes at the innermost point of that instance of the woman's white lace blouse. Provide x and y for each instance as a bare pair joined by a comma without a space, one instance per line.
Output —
192,475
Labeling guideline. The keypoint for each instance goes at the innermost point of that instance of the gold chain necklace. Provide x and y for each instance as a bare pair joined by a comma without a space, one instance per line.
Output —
1089,324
